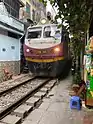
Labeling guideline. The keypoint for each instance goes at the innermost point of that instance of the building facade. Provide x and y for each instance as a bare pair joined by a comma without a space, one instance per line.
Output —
51,10
38,10
25,11
11,29
33,10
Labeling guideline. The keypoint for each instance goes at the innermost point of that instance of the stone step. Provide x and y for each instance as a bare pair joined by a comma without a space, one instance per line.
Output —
11,119
22,110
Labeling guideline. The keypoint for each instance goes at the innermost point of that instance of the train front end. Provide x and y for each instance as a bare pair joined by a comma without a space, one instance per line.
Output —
44,51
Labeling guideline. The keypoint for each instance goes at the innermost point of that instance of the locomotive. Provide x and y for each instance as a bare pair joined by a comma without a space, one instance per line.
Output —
46,49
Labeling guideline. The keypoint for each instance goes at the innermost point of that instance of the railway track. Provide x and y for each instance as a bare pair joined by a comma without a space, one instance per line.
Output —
12,83
4,91
19,95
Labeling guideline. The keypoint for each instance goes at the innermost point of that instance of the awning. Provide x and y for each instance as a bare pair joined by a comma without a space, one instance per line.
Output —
9,29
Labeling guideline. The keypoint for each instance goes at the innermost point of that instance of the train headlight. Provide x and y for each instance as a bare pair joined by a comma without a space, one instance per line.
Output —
57,49
27,50
43,21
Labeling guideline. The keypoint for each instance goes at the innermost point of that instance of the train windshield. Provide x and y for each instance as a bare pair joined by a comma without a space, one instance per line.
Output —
34,33
52,31
49,31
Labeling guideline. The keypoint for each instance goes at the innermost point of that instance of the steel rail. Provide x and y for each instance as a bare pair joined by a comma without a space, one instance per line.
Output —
16,86
11,107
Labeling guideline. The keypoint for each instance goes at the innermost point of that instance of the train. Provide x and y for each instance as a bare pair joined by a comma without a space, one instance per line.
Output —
46,49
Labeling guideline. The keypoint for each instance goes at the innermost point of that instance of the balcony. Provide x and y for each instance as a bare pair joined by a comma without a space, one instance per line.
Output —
12,11
7,16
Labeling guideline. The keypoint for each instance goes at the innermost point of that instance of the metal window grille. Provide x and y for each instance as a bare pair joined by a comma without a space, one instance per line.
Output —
12,7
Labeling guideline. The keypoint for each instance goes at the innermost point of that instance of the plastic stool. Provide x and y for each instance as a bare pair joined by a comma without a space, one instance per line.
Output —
75,102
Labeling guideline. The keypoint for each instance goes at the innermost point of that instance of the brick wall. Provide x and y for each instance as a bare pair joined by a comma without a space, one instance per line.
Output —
12,66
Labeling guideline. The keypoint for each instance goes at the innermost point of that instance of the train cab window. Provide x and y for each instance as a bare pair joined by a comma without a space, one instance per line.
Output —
34,33
58,34
47,32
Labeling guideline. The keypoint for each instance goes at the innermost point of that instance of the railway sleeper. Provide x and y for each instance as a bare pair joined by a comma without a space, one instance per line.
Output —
32,103
22,110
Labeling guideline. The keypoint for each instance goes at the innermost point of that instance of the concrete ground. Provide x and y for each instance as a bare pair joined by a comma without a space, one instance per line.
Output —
55,108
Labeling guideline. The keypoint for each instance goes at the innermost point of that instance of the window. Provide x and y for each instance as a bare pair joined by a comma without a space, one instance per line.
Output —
27,8
7,7
33,15
58,34
52,31
12,7
47,32
34,33
3,49
12,47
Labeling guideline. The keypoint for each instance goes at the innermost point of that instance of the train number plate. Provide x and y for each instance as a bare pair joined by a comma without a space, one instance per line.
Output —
44,51
41,52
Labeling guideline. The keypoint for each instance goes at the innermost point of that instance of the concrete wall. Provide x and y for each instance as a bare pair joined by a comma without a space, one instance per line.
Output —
9,48
9,55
